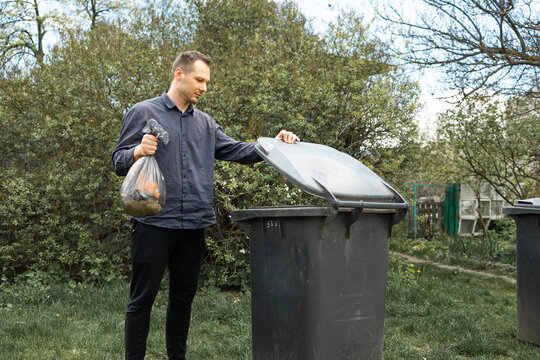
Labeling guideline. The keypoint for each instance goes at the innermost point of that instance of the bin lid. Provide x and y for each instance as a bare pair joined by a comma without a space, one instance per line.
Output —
318,170
526,206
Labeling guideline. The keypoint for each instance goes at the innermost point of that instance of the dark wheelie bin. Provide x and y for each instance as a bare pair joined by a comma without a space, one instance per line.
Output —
318,273
526,214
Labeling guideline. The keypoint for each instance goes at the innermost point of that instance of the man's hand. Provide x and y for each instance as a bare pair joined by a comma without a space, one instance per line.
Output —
148,146
287,136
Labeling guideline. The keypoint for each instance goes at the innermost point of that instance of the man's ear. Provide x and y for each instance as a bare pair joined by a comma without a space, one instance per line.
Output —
178,74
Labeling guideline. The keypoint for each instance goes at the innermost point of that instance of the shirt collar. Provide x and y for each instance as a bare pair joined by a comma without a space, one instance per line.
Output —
168,102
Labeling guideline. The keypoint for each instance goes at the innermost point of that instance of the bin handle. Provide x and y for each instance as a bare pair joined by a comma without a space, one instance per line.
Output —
335,204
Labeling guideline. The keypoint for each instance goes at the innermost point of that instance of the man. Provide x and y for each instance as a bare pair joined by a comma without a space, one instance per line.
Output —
175,238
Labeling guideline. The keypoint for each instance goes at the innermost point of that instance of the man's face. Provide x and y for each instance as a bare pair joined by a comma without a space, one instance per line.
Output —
193,82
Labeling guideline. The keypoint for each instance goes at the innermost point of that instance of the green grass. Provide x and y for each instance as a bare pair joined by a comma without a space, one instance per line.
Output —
442,314
431,314
59,322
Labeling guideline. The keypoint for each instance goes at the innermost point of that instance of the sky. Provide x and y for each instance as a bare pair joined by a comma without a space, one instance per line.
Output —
323,11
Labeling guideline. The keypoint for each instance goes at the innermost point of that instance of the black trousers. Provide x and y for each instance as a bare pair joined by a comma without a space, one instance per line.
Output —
152,249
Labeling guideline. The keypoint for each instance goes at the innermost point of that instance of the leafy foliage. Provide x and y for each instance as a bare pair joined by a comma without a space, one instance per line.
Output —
495,142
59,207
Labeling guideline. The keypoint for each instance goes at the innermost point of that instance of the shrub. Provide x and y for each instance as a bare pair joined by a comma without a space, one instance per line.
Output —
59,205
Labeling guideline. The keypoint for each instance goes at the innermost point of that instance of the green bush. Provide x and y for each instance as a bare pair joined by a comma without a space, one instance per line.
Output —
59,208
505,229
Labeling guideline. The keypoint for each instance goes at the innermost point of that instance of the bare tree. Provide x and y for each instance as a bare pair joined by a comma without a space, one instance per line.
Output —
23,26
94,9
482,44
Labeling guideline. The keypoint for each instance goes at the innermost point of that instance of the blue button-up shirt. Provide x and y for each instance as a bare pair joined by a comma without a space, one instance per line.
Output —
187,162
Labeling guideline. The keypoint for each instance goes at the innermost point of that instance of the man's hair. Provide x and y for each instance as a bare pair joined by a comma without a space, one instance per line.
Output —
186,59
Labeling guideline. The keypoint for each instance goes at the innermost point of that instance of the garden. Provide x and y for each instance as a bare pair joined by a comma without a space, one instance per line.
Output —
494,253
69,74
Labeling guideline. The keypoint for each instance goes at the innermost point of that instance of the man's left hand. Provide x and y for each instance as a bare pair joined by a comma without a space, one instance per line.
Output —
287,136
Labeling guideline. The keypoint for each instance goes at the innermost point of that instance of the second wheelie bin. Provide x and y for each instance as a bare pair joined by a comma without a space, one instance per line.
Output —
526,214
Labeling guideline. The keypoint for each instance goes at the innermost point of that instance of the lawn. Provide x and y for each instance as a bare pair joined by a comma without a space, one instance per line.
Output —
431,313
443,314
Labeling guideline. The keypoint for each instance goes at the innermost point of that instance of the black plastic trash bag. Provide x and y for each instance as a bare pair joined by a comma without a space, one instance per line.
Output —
143,190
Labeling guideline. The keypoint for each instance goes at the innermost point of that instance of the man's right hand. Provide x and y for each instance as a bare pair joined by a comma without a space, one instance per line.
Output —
148,146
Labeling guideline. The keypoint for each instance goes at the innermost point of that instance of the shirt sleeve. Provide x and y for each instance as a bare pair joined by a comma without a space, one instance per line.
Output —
130,136
232,150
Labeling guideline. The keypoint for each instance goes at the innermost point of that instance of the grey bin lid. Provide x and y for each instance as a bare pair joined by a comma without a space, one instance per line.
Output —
527,206
327,173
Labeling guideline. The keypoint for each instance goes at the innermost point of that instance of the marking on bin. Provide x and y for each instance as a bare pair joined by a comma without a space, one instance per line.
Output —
272,223
272,230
